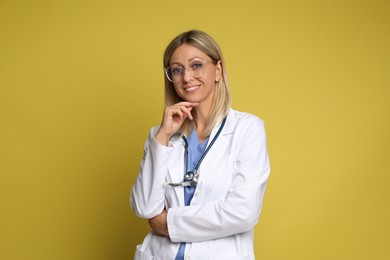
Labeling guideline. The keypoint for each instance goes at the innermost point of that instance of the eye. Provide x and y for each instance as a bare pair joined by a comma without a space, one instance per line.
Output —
197,65
176,70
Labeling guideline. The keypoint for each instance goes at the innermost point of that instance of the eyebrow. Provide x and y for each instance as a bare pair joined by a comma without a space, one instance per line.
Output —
189,60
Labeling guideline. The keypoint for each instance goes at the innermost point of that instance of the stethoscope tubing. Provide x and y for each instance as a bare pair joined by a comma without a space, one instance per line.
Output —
191,178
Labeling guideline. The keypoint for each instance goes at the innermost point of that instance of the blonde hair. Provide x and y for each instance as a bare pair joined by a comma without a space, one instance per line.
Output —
222,99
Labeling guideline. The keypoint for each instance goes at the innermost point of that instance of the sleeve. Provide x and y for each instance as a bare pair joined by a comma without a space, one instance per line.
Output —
147,196
239,211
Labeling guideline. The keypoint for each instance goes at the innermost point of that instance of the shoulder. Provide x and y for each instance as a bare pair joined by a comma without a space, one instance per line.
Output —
243,120
247,131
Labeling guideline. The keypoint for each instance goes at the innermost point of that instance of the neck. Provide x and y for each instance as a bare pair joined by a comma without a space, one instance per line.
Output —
202,115
201,121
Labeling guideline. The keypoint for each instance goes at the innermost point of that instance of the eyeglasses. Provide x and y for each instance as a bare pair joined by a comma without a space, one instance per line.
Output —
196,69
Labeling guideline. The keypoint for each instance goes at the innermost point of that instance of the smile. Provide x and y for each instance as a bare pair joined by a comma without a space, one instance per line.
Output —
191,88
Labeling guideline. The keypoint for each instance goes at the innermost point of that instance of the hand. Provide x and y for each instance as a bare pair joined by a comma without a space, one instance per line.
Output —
159,224
173,118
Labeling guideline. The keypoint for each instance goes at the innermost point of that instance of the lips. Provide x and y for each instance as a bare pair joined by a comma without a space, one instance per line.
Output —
191,88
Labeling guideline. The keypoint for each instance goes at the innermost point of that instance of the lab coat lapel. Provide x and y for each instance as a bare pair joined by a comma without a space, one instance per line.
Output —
227,130
213,133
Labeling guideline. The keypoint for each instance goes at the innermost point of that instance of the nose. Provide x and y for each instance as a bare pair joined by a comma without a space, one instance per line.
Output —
187,75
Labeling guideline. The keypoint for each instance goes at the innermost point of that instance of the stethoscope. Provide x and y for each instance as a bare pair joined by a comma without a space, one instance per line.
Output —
191,177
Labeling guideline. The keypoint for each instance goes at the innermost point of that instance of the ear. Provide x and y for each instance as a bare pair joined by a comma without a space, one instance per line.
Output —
218,71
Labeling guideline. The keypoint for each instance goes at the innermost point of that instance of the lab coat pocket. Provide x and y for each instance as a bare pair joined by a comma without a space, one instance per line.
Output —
139,255
174,195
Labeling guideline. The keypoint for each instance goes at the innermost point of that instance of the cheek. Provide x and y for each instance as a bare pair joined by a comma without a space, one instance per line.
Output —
179,91
214,75
177,87
210,79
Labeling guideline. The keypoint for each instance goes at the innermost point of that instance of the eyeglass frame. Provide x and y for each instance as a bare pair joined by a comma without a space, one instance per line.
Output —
184,69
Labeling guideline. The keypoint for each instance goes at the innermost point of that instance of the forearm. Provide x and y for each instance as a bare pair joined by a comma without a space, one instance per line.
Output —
159,224
147,196
236,214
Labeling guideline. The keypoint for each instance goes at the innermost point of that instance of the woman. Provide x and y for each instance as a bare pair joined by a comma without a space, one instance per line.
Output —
204,170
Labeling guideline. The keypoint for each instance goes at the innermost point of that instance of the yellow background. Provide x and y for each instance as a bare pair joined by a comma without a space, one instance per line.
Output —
81,83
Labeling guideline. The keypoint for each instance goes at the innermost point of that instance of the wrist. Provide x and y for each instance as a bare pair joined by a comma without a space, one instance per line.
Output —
162,138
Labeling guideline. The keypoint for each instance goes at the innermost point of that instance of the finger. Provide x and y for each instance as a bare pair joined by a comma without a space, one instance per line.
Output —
180,111
187,104
187,112
175,111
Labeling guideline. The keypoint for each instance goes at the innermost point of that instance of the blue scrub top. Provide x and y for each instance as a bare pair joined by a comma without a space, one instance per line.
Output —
195,152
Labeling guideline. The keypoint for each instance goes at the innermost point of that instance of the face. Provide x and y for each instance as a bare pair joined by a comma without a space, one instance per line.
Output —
200,89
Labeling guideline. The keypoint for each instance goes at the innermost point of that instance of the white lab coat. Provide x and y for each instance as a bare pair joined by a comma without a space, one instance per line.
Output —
220,221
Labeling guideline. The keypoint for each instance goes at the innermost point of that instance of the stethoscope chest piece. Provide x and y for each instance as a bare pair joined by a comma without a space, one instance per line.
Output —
190,180
189,176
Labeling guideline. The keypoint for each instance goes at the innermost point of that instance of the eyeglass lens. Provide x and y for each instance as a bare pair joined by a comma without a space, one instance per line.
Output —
175,73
